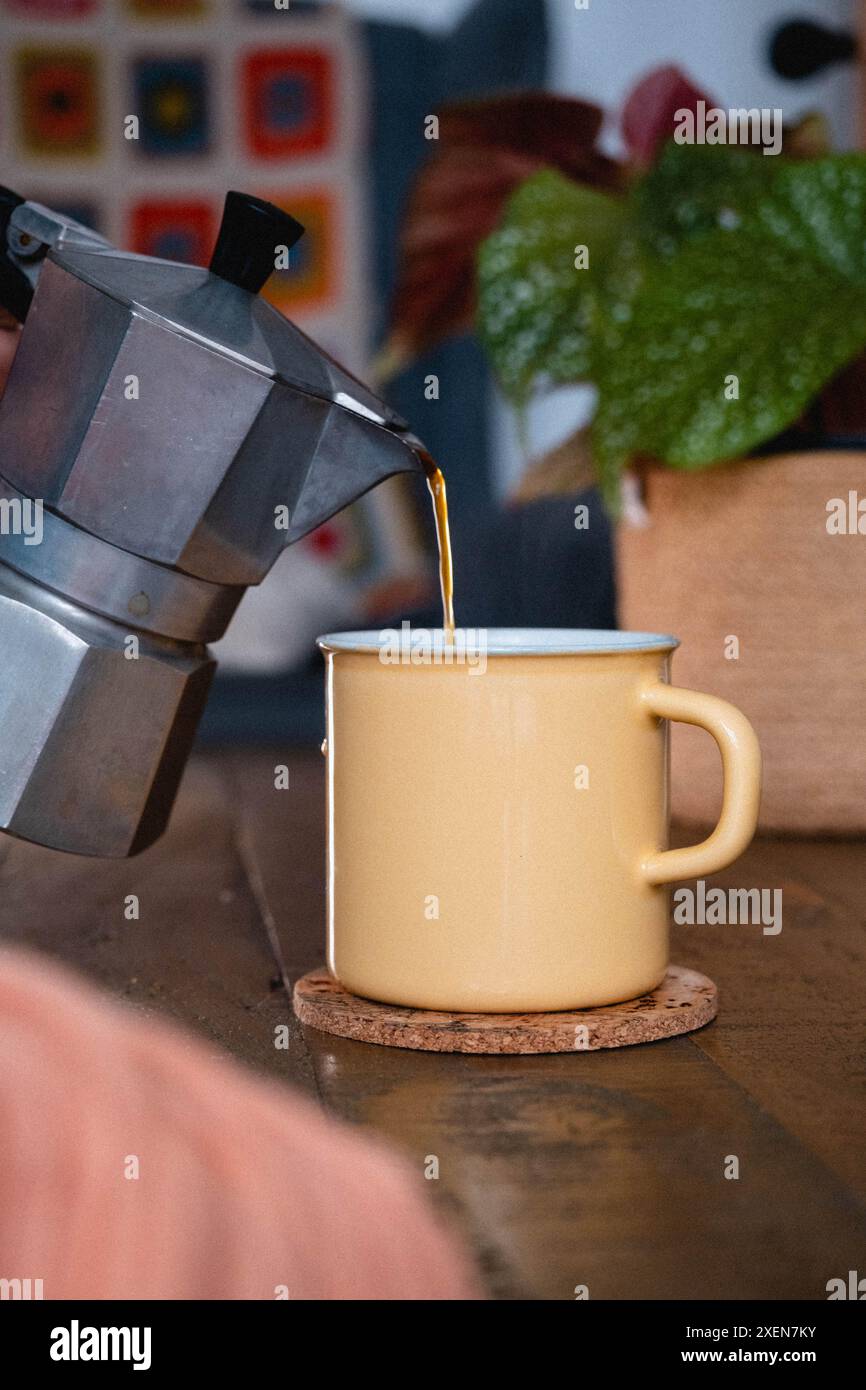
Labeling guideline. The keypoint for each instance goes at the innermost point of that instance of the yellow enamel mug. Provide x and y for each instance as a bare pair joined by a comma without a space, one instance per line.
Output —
498,815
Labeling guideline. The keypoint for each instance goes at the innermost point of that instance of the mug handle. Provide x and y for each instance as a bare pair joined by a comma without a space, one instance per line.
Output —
741,764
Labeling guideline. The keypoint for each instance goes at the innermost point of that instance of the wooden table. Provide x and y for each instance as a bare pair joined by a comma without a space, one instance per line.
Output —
605,1169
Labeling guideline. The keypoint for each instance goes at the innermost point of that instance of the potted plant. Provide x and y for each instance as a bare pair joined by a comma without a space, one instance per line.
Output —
715,298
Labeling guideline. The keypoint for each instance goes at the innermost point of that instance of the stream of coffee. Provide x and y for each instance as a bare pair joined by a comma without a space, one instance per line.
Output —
436,484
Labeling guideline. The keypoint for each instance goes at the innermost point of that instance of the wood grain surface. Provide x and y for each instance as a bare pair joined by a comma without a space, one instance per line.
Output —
605,1169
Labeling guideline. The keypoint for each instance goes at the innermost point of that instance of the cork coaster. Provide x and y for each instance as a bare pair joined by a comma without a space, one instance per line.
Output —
685,1000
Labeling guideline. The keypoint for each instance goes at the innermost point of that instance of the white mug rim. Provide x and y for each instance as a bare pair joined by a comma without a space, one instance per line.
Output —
515,641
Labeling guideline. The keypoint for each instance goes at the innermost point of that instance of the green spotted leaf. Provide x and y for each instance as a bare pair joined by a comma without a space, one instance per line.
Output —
535,305
776,299
695,189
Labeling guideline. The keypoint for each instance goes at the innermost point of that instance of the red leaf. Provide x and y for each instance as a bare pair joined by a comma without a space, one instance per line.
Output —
485,149
558,131
840,409
648,116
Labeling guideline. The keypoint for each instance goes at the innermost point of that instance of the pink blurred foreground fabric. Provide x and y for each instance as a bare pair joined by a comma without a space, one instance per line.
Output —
244,1190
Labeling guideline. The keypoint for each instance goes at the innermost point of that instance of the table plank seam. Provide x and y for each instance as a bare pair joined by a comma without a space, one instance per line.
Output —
753,1102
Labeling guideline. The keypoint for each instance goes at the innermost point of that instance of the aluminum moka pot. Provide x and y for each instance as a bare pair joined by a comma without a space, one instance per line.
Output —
172,432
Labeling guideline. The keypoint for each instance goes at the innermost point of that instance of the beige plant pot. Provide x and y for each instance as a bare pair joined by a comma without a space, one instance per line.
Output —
737,561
